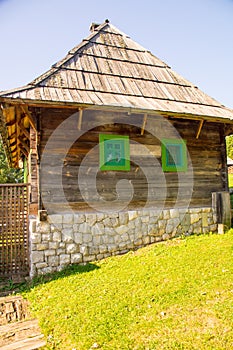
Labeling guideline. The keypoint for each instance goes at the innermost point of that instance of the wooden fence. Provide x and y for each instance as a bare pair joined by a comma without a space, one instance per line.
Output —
14,259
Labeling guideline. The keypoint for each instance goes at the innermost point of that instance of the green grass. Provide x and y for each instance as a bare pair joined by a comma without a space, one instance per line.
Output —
172,295
230,180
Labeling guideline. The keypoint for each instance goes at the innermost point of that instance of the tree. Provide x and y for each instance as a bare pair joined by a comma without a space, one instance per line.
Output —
229,143
7,174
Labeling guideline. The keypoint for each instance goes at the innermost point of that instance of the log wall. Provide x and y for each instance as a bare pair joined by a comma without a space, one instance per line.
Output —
73,152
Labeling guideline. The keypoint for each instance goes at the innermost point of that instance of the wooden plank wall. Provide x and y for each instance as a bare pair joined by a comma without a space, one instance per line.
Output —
145,174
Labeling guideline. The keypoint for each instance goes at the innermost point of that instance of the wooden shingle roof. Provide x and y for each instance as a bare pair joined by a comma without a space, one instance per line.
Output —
109,69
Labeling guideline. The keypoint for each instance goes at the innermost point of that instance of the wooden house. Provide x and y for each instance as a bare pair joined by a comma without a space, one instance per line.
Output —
119,150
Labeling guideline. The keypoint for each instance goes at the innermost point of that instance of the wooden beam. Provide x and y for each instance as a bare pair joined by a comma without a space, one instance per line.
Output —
23,151
199,128
24,144
144,124
11,123
24,131
80,118
25,110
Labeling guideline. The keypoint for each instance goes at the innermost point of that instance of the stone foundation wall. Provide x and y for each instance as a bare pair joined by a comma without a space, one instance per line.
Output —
80,238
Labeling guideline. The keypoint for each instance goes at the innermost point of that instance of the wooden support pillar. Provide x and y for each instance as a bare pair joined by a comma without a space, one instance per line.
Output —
144,124
222,207
80,118
199,128
33,173
224,169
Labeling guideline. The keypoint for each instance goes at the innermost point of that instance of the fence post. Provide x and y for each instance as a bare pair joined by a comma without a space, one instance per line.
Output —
222,207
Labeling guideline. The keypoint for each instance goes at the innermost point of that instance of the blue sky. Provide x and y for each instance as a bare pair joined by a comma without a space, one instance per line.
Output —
193,37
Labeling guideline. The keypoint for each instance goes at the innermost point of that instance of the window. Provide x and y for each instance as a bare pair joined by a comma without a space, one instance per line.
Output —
114,152
174,155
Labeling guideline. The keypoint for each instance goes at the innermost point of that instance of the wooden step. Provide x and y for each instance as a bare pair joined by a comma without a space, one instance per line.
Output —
24,335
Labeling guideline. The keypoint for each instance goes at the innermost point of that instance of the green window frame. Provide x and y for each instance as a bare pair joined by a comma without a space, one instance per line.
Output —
174,155
114,152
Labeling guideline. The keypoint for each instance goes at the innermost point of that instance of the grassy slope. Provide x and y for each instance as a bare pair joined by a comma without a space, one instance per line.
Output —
172,295
230,180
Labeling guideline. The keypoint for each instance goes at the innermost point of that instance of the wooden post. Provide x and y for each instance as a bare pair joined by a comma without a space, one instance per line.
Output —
33,173
224,169
80,118
222,207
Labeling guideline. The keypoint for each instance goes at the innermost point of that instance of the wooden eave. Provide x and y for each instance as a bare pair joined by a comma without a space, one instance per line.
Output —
14,128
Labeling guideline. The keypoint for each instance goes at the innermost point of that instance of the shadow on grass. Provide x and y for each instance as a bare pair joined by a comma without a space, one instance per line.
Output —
10,287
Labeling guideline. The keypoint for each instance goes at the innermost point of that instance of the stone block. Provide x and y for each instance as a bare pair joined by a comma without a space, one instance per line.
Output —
107,222
68,219
83,250
55,228
37,257
153,220
131,225
103,249
98,229
152,230
100,256
162,224
165,236
89,258
42,246
97,240
123,218
114,222
71,248
109,231
121,229
43,227
205,220
35,238
91,219
100,217
79,218
87,237
55,219
132,215
166,214
41,265
93,250
186,220
50,252
57,236
112,247
85,228
46,270
113,215
76,258
53,260
61,251
65,259
124,237
194,218
67,235
78,238
146,240
138,242
174,213
206,210
32,225
145,219
46,237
